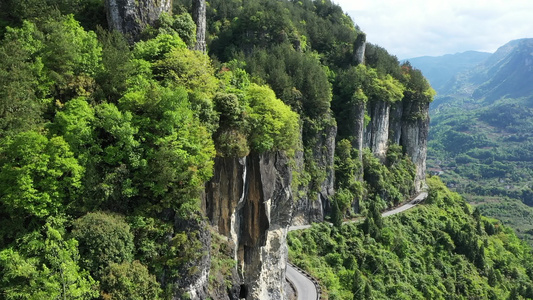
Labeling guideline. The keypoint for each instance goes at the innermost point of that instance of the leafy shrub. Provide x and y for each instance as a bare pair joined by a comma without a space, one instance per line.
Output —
104,238
129,280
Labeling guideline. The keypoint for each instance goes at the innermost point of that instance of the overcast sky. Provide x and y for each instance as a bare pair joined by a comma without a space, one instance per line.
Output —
412,28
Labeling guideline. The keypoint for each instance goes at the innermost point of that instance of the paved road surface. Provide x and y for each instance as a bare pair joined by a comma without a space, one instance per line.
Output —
305,288
408,205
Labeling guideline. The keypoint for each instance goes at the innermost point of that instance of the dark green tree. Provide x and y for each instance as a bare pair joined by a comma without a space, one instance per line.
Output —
104,239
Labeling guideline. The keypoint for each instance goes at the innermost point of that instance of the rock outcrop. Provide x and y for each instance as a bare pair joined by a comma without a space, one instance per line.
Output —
357,126
194,284
314,199
359,48
198,15
132,16
376,133
414,136
250,201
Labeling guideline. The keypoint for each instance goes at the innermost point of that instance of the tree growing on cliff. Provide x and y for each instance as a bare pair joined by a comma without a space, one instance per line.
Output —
45,265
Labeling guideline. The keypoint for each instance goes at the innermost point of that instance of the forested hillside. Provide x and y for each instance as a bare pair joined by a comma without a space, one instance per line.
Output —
481,136
442,249
135,167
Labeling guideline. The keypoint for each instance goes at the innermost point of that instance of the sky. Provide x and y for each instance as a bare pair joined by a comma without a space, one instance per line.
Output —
413,28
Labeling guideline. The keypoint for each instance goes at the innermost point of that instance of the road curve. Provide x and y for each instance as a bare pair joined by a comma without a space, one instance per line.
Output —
421,197
305,288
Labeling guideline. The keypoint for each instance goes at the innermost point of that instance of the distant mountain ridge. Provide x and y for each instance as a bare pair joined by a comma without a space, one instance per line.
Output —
507,73
440,69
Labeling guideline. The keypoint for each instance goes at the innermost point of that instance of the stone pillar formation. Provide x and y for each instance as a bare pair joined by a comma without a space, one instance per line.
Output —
132,16
198,15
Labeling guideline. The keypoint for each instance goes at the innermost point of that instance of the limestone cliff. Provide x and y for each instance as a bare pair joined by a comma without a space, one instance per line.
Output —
250,201
359,48
132,16
194,284
199,17
414,136
313,201
376,133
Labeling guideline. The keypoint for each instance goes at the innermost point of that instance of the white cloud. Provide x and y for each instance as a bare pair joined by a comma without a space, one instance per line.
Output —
411,28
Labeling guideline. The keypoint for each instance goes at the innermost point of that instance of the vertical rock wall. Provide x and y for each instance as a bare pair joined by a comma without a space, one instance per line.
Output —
376,134
132,16
395,122
359,48
250,201
198,15
358,127
313,207
415,130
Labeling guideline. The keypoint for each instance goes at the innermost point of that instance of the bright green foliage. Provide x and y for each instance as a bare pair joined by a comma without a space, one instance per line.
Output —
71,57
187,68
192,70
39,177
231,136
178,149
175,65
392,181
70,49
298,78
45,267
274,125
348,172
61,55
104,239
181,24
156,48
20,72
251,117
129,280
435,251
117,65
75,123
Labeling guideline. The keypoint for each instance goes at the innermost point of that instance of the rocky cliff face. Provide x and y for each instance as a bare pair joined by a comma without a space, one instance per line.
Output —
414,136
376,133
132,16
359,49
312,206
195,284
199,18
249,200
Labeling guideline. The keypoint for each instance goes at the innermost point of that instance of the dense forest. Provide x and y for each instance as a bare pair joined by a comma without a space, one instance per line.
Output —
481,139
107,141
443,249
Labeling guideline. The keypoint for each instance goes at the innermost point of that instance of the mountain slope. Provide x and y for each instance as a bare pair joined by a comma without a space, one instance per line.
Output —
439,250
507,73
440,69
481,142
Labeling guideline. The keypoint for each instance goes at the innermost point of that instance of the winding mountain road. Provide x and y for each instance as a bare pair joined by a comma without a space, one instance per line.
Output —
305,287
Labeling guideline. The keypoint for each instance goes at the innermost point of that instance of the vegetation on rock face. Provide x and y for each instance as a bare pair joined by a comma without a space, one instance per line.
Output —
106,146
480,138
484,154
440,250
